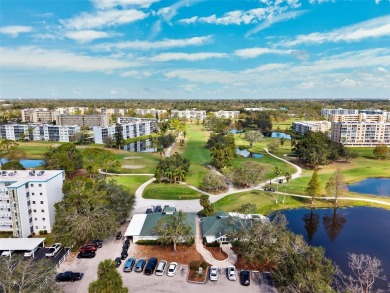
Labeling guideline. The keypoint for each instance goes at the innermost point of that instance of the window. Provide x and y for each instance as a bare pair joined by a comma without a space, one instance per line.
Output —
32,193
43,219
36,227
31,185
35,219
40,193
35,211
42,211
33,201
44,227
40,185
41,202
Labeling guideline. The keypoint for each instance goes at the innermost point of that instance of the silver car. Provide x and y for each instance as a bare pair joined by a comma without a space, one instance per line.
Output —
232,273
213,273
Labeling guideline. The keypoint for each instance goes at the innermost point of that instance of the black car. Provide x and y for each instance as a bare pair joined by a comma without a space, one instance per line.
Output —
69,277
118,235
158,209
86,254
268,279
118,262
149,211
150,266
127,241
98,243
139,266
245,278
126,246
124,254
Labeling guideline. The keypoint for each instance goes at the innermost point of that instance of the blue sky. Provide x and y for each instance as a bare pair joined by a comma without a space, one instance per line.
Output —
195,49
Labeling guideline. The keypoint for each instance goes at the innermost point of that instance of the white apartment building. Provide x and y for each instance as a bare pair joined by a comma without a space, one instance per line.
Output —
138,127
35,132
189,114
27,200
339,111
72,110
38,115
83,120
259,109
226,114
112,111
362,117
154,112
301,127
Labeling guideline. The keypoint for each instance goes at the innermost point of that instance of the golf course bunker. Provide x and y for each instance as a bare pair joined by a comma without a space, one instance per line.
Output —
132,167
131,158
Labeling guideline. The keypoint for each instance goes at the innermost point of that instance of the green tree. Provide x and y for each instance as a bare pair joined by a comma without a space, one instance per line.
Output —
173,229
19,275
272,147
253,136
349,154
278,172
12,165
381,152
282,141
109,280
118,136
213,182
313,188
222,149
247,174
288,177
247,208
336,186
208,207
65,157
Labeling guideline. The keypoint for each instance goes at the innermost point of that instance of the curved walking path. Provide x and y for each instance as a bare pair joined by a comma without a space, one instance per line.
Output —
125,174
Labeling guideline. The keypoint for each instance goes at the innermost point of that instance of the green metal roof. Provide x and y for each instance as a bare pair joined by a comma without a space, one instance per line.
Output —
152,219
169,209
218,225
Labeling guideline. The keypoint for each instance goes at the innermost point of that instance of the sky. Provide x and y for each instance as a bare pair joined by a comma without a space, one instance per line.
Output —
195,49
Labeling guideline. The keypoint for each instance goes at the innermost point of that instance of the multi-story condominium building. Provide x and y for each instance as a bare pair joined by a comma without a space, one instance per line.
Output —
154,112
42,115
226,114
136,128
361,133
189,114
258,109
83,120
339,111
72,110
27,200
362,117
43,132
112,111
302,127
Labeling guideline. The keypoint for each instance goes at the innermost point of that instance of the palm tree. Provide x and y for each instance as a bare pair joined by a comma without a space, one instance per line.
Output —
159,174
288,177
169,173
180,174
278,172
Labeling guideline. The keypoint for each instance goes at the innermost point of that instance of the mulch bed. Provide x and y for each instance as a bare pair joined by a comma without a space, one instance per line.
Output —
194,277
217,253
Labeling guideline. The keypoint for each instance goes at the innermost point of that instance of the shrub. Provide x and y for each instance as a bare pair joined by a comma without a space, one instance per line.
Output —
189,243
204,241
147,242
213,182
194,265
204,265
247,174
213,244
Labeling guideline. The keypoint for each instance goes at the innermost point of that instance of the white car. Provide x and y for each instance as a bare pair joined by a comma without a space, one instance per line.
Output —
213,273
160,270
31,252
7,253
232,273
172,269
53,250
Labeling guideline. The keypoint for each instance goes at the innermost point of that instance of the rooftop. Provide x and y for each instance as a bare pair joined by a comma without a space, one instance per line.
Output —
19,177
153,218
20,243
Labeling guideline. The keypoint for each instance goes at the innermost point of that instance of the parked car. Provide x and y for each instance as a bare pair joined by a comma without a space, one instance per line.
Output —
118,262
158,209
172,269
7,253
214,273
150,266
267,278
129,264
139,266
86,254
125,247
124,254
118,235
98,243
69,277
166,206
127,241
245,278
232,273
160,270
31,252
149,211
53,250
88,248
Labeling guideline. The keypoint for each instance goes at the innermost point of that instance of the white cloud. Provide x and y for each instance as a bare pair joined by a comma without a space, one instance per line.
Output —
306,85
103,4
114,92
15,30
137,73
103,18
373,28
87,36
35,57
348,83
255,52
164,44
164,57
319,1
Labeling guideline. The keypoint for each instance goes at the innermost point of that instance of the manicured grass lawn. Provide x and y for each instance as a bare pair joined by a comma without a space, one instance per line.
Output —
35,149
130,182
170,191
258,147
147,161
197,153
282,125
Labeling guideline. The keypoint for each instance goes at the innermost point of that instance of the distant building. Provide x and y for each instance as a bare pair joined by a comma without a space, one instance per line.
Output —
27,200
189,114
362,117
259,109
35,132
41,115
83,120
72,110
154,112
301,127
135,128
112,111
339,111
226,114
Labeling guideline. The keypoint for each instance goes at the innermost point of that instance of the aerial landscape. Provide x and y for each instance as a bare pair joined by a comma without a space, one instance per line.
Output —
170,146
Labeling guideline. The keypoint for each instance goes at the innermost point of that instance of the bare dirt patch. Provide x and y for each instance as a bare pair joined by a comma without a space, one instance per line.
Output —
183,254
131,158
217,253
132,166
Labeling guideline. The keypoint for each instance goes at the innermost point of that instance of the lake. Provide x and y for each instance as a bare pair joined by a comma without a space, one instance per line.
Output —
280,135
26,163
376,186
342,231
247,154
235,131
139,146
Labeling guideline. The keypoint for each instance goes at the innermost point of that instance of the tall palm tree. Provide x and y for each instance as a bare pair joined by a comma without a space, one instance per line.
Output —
277,172
288,177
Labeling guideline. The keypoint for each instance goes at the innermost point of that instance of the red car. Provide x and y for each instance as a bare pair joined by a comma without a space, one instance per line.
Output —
88,248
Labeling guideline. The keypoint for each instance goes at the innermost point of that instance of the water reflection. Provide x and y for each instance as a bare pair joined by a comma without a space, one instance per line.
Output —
140,146
312,221
333,224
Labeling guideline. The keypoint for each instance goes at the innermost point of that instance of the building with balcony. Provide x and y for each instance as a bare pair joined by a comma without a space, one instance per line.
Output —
226,114
301,127
156,113
27,200
83,120
339,111
191,114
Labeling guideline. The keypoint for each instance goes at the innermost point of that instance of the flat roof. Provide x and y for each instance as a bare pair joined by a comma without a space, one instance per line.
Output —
20,243
136,224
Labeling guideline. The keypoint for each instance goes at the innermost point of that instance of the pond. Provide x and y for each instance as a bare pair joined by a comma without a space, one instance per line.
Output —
376,186
26,163
342,231
247,154
139,146
280,135
235,131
